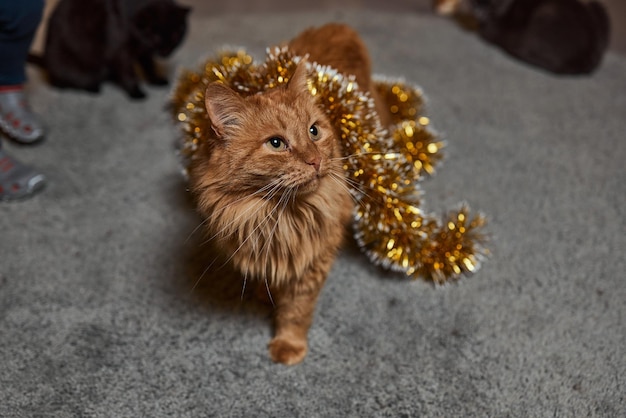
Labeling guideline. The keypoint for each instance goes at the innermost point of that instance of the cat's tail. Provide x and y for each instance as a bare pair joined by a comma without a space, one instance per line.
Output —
602,23
599,25
37,60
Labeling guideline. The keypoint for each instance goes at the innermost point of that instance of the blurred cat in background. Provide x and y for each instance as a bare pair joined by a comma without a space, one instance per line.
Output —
561,36
89,42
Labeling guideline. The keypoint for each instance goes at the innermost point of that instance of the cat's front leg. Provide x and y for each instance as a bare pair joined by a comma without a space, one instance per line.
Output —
292,319
293,315
146,61
123,72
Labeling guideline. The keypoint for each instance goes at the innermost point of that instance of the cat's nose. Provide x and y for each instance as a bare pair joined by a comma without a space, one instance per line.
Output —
315,162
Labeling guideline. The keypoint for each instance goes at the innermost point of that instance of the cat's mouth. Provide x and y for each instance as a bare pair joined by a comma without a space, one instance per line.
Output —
309,185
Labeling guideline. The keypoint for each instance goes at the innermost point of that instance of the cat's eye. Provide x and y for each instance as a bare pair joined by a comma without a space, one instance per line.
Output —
314,132
276,143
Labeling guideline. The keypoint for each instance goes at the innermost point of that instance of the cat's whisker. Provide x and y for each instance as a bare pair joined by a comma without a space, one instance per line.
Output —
360,154
201,276
265,189
290,194
360,187
269,292
259,225
351,183
263,221
252,253
339,181
279,206
245,281
294,194
278,209
200,225
273,189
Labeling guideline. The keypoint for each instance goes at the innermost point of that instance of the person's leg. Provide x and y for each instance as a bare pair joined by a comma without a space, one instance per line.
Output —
17,180
18,23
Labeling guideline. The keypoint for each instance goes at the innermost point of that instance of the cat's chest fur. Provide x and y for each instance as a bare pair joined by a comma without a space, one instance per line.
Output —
280,239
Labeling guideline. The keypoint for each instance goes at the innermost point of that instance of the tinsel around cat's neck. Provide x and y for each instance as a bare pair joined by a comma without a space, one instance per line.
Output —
384,165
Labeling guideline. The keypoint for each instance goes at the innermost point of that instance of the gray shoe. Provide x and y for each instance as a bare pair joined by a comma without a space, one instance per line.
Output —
17,120
18,181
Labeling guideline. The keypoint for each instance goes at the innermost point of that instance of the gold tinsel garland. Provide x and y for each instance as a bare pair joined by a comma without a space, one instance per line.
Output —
383,166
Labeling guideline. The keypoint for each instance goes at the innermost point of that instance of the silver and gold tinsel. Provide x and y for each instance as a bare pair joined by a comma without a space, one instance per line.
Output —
383,164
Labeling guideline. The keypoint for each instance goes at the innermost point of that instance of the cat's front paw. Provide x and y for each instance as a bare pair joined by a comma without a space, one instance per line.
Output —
158,81
93,88
286,351
136,93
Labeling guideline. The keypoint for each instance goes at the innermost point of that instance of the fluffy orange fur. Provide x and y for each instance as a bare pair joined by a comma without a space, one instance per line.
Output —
271,186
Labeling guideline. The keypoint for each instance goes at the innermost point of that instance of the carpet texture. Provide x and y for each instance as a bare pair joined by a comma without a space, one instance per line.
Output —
99,316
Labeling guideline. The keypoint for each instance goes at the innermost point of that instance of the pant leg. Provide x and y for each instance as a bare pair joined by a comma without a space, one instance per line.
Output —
19,20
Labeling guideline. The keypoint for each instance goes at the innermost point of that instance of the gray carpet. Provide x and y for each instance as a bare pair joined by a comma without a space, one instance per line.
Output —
97,313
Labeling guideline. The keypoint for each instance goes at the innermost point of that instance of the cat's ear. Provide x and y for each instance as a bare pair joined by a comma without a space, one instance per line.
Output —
298,81
224,107
183,10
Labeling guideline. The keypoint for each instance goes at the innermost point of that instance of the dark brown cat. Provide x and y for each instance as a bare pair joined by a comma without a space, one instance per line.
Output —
89,42
271,185
561,36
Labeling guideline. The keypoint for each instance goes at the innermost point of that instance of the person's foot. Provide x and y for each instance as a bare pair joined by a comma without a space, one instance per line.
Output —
18,181
17,120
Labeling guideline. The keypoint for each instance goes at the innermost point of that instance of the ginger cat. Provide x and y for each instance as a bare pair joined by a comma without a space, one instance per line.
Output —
271,186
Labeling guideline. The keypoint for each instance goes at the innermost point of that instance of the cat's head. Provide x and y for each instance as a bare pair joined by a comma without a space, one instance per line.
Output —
274,142
162,24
